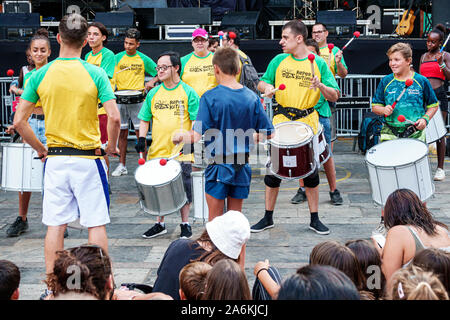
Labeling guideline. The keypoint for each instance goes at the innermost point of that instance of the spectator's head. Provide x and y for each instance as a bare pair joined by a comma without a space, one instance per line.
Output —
313,46
213,43
413,283
370,263
226,60
231,38
403,207
436,37
332,253
200,41
193,280
168,65
314,282
293,34
97,35
84,269
436,261
226,281
9,280
132,41
319,33
400,57
225,235
72,31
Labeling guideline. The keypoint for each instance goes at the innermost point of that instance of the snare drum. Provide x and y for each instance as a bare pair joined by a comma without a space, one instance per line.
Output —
160,188
436,128
322,153
129,96
396,164
19,170
292,151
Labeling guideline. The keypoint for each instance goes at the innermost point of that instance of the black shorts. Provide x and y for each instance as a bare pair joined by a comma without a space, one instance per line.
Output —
441,95
186,169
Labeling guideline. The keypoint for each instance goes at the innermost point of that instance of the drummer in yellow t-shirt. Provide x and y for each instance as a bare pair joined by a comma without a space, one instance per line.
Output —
197,69
171,107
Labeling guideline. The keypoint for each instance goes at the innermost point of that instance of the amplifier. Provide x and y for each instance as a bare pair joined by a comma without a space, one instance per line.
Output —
180,32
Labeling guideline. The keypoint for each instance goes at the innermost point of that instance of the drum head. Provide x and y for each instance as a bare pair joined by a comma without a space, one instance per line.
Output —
127,93
291,133
397,152
154,174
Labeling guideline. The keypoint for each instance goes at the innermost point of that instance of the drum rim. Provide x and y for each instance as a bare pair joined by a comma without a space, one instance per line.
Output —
399,166
290,146
161,184
432,193
163,213
137,93
293,178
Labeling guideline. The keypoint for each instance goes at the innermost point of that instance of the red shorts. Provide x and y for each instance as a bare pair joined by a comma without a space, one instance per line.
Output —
103,121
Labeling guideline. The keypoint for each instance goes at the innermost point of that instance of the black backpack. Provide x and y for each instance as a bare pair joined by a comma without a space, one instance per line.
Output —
369,133
249,75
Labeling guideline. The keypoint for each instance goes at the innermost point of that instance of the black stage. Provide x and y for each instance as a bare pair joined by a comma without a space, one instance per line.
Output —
363,56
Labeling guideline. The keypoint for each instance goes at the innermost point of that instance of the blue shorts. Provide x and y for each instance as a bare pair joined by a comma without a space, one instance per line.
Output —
221,190
224,181
38,127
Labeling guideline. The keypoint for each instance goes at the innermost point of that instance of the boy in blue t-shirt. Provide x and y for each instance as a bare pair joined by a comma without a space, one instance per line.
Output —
231,117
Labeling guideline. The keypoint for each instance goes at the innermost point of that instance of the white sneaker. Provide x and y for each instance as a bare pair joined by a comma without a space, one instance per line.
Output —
120,171
439,175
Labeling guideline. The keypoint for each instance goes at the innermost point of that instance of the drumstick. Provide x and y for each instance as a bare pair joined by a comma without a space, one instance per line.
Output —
123,69
402,118
141,160
408,83
164,161
356,34
330,48
445,43
280,87
311,58
220,33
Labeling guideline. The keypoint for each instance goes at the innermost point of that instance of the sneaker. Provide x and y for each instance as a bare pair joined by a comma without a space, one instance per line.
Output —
439,175
319,227
262,225
154,231
186,231
336,198
299,197
380,229
46,295
17,228
121,170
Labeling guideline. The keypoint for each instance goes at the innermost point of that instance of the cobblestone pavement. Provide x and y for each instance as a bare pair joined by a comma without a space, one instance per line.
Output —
287,245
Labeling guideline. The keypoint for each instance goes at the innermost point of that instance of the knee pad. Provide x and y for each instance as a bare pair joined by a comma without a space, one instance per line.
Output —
272,181
313,180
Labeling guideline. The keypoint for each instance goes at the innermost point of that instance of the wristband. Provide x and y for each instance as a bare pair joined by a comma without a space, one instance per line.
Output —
443,65
426,118
257,274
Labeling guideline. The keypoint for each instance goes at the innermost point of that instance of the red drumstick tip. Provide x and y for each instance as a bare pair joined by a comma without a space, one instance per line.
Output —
220,33
408,82
330,46
232,35
10,72
401,118
356,34
163,162
282,87
141,161
311,57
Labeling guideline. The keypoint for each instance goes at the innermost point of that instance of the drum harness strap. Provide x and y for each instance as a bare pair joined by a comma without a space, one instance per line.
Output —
292,114
65,151
404,134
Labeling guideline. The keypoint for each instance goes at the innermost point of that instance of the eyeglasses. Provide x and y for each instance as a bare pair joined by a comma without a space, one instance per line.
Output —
198,39
163,68
316,32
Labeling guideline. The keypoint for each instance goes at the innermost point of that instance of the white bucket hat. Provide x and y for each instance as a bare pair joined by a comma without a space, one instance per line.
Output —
229,232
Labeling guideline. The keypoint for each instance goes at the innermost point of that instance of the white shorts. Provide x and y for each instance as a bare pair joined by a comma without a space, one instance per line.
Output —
75,188
127,112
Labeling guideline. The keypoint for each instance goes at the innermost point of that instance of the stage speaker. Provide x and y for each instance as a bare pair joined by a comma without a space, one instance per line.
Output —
16,7
440,10
116,19
188,16
338,22
18,25
145,4
246,22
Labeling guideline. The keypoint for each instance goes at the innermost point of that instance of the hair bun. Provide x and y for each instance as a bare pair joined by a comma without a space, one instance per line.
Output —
42,32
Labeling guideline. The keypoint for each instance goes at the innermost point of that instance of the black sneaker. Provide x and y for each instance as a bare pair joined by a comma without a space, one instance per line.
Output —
299,197
262,225
319,227
154,231
17,228
336,198
186,231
